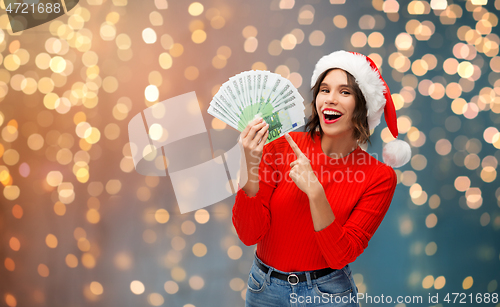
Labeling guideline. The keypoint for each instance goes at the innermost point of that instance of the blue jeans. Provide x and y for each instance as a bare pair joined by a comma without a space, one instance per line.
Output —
335,289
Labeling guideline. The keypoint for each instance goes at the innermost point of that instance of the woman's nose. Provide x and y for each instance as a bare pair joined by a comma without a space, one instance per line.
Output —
331,100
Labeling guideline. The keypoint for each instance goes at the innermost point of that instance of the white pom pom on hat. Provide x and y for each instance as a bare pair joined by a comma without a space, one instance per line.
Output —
396,153
377,95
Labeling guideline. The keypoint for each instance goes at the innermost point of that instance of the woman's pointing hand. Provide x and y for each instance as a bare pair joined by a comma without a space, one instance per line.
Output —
301,171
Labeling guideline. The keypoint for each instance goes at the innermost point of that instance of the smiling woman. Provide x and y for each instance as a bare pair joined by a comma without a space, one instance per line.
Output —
343,84
307,224
335,104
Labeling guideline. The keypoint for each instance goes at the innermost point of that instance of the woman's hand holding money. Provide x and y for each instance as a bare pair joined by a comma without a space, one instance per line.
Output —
252,139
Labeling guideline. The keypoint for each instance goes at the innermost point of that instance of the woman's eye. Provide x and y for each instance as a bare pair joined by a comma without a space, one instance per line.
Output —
346,92
325,90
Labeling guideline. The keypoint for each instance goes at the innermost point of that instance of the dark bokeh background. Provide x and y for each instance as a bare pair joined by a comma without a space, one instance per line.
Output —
78,225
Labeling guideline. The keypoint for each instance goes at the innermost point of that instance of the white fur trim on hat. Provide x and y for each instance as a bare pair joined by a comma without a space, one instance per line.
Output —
368,80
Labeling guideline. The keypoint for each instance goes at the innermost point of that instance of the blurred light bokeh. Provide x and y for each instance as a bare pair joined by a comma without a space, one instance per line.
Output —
78,225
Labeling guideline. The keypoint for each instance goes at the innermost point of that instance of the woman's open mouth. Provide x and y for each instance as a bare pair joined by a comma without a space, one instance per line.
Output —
331,116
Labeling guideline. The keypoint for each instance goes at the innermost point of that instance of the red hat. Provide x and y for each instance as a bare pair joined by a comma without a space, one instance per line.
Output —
377,95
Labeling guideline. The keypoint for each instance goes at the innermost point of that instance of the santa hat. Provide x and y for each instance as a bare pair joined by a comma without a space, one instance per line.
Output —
377,95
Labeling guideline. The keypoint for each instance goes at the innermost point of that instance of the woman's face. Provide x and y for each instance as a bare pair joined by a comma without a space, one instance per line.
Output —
335,104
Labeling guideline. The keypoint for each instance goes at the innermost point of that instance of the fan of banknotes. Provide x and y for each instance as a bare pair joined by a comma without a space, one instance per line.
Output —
259,93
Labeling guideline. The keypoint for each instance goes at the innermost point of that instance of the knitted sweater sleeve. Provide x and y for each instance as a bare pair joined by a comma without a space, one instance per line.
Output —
251,215
342,244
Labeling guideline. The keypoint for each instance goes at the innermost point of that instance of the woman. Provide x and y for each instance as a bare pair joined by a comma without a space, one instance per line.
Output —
313,200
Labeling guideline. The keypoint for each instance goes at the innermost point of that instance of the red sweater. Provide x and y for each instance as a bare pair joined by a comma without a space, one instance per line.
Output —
358,187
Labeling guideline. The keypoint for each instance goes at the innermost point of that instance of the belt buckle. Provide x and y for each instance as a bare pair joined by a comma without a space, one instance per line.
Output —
292,283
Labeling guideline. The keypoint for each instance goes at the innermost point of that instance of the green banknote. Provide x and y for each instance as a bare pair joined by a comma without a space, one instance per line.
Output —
263,94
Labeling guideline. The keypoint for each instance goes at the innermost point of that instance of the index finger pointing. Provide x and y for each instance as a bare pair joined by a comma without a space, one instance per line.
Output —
294,146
